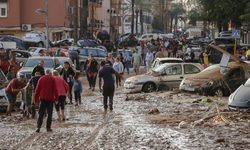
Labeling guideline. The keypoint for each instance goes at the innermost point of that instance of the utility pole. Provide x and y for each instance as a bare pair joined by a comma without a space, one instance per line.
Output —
85,12
75,22
110,29
47,27
81,19
92,27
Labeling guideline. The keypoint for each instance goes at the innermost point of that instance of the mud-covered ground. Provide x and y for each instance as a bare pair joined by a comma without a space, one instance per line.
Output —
138,121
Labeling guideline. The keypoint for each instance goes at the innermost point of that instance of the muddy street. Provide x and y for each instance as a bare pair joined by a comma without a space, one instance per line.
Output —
138,121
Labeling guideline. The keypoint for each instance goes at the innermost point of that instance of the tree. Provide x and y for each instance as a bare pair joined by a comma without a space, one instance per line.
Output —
246,16
176,13
84,18
158,24
224,11
133,15
193,16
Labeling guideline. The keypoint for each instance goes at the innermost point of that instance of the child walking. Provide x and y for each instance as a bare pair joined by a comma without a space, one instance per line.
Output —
77,89
118,66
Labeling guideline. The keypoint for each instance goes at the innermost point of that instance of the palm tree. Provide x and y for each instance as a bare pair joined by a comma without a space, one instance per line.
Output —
176,13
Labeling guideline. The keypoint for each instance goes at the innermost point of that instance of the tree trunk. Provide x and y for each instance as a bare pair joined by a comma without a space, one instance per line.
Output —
219,26
141,21
171,26
85,12
75,22
162,9
225,27
175,24
133,15
204,28
81,19
136,22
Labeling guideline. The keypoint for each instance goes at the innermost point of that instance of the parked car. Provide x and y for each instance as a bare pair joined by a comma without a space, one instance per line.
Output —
84,52
36,51
64,42
239,100
159,61
168,74
63,59
51,63
168,35
197,52
148,37
21,55
217,80
20,44
35,38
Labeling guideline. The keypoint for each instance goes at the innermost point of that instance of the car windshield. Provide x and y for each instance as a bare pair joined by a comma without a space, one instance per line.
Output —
247,83
223,70
62,60
48,63
33,50
159,68
196,49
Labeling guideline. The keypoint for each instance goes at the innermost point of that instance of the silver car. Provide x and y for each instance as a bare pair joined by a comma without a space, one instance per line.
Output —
169,75
35,39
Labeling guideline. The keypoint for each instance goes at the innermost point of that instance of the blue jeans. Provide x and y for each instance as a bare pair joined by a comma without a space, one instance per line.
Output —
126,65
144,59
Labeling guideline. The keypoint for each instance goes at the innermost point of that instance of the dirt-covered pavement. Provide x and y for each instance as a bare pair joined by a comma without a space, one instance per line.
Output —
138,121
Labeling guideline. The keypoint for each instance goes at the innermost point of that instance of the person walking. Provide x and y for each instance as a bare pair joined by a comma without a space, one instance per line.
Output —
125,56
34,81
86,70
121,59
14,87
119,68
38,68
63,90
77,90
201,57
149,59
136,59
11,73
47,93
108,63
205,55
108,87
192,55
67,73
144,51
93,70
174,49
111,59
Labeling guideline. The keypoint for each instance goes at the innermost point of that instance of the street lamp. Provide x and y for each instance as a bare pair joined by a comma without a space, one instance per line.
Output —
40,11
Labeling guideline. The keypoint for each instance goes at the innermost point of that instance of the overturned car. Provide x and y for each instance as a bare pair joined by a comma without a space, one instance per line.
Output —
218,80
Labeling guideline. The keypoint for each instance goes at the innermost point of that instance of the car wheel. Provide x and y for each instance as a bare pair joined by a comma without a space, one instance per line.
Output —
149,87
218,92
40,44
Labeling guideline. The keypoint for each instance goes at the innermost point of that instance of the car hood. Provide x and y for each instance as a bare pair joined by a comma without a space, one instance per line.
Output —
29,69
141,78
204,76
240,97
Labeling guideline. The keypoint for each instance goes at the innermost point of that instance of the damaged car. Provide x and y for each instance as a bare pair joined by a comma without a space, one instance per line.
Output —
217,80
168,75
239,100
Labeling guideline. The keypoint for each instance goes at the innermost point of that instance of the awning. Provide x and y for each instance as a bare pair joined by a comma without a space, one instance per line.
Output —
3,0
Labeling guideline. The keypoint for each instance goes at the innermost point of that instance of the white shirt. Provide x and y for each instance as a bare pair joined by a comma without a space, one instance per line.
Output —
166,44
149,57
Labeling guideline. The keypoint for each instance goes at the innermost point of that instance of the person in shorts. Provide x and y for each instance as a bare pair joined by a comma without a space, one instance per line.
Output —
61,85
15,86
136,61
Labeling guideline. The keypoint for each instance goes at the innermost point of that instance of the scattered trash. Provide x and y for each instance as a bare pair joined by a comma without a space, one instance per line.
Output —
197,101
154,112
218,120
182,124
199,122
206,100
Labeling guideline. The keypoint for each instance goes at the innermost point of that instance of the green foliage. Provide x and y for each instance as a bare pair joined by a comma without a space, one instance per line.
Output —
222,11
246,16
132,41
158,24
193,15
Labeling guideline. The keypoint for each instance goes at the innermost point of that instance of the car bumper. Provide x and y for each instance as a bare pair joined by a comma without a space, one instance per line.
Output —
235,108
132,88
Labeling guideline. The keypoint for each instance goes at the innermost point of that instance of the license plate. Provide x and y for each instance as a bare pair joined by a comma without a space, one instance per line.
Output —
189,89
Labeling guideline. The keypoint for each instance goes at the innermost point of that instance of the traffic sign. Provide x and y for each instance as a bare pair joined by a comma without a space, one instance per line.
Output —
236,34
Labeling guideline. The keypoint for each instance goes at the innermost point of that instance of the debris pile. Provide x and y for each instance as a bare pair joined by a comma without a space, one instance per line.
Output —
154,112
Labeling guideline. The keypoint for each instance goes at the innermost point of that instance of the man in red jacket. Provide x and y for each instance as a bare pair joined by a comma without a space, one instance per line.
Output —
46,91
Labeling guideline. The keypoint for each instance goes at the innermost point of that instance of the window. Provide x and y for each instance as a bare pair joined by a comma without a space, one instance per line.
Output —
235,74
190,69
150,36
144,37
93,52
3,9
102,54
174,70
83,52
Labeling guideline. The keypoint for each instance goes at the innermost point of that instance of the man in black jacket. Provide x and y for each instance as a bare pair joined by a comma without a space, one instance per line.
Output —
38,68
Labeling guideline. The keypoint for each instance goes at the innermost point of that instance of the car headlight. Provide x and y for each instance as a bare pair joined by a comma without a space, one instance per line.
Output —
134,82
211,82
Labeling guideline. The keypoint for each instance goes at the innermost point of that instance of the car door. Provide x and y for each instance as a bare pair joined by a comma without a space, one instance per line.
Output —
172,76
190,70
234,78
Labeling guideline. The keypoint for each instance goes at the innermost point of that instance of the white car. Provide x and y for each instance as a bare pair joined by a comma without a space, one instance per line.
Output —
36,51
168,35
35,38
159,61
169,75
